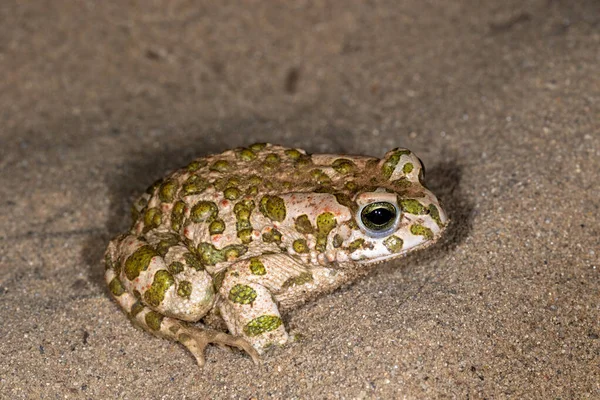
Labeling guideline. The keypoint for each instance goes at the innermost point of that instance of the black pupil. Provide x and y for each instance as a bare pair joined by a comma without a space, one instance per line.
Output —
380,216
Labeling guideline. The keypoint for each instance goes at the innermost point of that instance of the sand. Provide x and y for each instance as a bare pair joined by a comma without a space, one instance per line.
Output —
500,99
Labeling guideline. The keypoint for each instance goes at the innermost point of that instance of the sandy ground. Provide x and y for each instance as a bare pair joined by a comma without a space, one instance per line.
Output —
501,100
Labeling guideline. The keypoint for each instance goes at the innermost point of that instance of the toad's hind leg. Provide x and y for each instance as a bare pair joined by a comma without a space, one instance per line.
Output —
194,338
166,318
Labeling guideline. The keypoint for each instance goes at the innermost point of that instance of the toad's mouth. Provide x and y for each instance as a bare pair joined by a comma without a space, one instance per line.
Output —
420,246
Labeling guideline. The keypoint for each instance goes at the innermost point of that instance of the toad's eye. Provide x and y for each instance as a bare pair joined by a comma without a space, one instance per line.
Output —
379,218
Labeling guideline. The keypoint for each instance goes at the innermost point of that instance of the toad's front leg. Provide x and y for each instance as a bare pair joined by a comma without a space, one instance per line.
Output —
248,297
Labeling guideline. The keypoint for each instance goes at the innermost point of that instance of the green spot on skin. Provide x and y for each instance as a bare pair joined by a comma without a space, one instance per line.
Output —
300,246
293,154
136,308
220,166
301,279
244,205
321,244
268,167
320,177
184,289
138,261
243,224
324,189
243,209
233,251
152,218
434,213
233,181
163,280
402,183
272,236
246,155
193,261
218,280
303,224
142,202
196,165
209,254
387,169
153,320
216,227
220,184
241,213
393,244
351,186
252,191
273,207
407,168
116,287
204,211
135,214
245,235
343,166
421,231
337,241
257,267
325,223
262,204
272,158
303,161
355,245
412,206
262,324
163,247
232,193
352,224
193,185
165,244
152,188
177,215
175,267
254,180
167,190
184,338
256,147
242,294
116,266
346,201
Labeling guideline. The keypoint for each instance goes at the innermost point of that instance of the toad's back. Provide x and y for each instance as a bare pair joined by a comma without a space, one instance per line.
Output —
235,198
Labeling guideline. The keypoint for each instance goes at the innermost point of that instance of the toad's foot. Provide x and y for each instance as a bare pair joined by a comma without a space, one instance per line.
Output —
196,340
